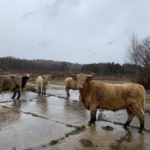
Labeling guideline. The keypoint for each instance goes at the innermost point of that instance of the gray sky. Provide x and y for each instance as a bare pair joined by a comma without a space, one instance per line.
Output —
79,31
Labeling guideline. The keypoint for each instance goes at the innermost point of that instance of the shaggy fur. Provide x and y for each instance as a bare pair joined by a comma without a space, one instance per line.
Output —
10,83
42,83
70,83
129,96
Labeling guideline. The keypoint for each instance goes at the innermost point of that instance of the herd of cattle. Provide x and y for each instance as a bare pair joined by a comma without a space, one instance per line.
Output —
93,94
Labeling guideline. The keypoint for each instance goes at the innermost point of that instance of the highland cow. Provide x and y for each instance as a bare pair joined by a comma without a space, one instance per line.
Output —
97,94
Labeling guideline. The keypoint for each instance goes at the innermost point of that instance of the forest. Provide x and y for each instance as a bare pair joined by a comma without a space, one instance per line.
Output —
13,65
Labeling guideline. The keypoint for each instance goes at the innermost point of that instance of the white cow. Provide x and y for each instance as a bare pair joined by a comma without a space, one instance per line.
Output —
42,83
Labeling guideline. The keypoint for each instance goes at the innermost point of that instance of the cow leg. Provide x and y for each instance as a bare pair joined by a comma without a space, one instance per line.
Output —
18,94
139,112
67,91
44,90
140,115
93,116
130,117
39,90
14,94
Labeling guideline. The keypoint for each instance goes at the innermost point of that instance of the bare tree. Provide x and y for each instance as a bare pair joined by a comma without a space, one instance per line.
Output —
140,56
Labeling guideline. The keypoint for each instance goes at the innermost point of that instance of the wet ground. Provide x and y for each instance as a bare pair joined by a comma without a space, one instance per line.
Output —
53,122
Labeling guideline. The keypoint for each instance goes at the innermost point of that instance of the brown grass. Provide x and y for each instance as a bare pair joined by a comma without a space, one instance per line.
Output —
57,82
148,96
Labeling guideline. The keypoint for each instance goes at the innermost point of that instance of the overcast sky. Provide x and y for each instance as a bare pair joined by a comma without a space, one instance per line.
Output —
78,31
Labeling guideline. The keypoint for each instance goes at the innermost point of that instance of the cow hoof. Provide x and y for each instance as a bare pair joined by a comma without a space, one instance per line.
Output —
140,131
91,123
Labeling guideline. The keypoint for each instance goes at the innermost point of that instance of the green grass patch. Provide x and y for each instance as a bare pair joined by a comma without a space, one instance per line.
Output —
54,142
77,130
86,143
108,128
69,125
44,146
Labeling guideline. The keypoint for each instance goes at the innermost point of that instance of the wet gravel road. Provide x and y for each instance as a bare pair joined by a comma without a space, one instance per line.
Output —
53,122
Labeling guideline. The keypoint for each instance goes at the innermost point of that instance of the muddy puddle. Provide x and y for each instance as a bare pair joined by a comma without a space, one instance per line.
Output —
57,123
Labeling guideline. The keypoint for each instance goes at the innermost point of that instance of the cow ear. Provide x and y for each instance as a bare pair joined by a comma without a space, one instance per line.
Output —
89,78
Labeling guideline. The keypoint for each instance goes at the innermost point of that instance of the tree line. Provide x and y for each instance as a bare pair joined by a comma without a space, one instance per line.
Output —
108,68
12,64
45,66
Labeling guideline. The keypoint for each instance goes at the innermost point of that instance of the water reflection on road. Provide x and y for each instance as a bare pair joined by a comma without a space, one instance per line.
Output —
37,119
41,104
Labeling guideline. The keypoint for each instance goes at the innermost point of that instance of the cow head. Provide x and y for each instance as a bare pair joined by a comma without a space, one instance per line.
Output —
82,80
24,80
